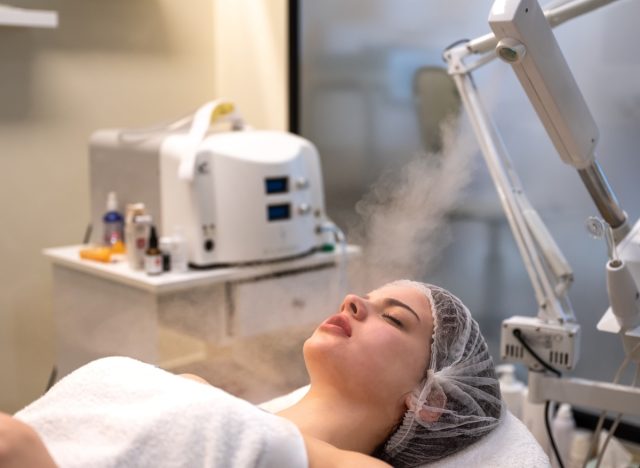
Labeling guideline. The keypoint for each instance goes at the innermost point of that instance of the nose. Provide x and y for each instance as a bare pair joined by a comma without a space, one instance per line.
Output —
355,306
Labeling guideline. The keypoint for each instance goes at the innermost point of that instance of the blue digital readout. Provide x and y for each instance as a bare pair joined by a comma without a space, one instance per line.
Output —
278,212
276,184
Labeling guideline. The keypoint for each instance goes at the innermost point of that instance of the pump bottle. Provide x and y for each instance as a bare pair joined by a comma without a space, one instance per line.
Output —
113,223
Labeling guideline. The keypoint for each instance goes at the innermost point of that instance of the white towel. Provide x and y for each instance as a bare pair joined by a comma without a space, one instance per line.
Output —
510,444
121,412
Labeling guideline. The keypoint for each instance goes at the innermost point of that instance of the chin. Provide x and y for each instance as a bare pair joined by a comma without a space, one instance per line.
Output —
325,358
318,346
324,344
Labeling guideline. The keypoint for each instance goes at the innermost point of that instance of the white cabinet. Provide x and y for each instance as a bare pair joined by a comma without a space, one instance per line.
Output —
107,309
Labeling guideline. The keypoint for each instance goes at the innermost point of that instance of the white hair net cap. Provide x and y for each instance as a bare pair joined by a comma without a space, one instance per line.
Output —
458,400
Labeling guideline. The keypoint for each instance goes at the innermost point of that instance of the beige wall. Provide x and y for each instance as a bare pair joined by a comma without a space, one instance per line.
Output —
110,63
251,65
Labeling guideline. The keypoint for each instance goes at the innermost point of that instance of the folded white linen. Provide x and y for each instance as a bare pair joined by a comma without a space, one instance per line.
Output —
125,413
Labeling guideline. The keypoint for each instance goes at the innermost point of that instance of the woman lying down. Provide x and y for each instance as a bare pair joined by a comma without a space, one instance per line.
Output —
400,376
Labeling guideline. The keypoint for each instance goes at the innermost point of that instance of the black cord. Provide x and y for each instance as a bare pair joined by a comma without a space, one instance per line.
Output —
456,43
518,334
52,378
550,434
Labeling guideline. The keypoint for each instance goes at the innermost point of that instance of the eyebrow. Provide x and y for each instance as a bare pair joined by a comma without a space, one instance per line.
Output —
390,301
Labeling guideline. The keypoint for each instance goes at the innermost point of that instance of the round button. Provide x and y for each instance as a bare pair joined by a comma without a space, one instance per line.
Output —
304,209
302,183
208,245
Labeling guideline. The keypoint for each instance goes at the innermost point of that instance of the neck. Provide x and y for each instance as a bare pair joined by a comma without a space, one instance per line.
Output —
344,423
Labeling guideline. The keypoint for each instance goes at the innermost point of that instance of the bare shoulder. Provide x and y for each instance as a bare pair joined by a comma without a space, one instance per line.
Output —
322,454
20,445
195,378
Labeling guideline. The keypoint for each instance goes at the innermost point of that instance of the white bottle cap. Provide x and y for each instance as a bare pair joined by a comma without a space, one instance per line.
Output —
112,202
166,243
564,412
507,375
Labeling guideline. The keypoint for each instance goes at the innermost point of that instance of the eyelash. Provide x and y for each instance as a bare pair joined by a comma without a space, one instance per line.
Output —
394,320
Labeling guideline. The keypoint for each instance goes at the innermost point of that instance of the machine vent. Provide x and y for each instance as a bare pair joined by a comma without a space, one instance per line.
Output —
514,351
556,357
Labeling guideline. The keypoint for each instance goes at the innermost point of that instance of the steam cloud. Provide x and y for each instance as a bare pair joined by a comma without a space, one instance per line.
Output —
403,219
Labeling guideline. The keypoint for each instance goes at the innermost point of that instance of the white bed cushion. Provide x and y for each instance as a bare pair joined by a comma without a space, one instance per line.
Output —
510,444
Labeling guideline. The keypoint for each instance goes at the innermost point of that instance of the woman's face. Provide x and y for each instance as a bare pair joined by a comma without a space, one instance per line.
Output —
376,348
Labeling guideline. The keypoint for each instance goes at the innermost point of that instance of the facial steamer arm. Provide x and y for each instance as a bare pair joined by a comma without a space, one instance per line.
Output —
555,16
525,40
523,37
548,270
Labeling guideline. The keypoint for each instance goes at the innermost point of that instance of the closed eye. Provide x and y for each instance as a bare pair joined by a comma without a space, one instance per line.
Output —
394,320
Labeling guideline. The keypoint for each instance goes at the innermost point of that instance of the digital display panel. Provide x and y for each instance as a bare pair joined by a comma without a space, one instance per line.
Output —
276,184
278,212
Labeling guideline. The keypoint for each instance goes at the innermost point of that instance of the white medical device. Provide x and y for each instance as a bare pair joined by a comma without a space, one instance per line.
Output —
527,42
239,196
523,37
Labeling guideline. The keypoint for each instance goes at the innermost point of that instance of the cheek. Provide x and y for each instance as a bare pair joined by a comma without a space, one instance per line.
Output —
393,359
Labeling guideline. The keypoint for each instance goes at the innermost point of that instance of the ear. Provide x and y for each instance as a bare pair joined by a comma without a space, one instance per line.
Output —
436,399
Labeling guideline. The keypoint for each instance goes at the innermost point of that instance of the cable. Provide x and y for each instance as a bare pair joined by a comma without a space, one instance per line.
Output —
593,446
613,428
456,43
547,405
594,439
518,334
52,378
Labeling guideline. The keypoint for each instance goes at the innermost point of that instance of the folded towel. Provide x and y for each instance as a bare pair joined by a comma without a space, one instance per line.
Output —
125,413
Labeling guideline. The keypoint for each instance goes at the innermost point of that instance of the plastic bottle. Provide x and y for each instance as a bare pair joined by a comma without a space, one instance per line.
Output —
153,255
563,428
179,261
137,235
511,388
579,448
113,222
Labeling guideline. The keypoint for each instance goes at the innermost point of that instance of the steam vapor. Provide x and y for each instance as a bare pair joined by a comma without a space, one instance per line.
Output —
403,219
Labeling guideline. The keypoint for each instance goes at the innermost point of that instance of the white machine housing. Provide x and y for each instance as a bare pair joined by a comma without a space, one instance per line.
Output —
255,195
528,43
558,344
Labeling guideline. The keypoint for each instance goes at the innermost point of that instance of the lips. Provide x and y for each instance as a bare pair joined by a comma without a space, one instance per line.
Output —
340,321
